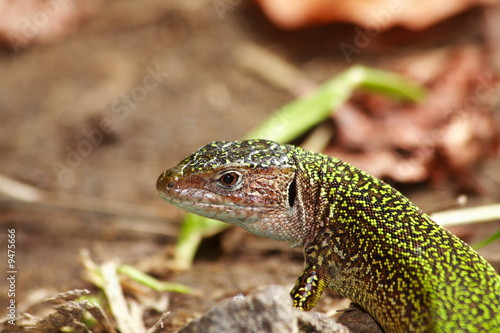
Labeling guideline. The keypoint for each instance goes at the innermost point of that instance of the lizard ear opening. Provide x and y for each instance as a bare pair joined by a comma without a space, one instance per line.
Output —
292,193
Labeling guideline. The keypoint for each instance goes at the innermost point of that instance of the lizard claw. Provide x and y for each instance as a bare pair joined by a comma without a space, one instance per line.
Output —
308,289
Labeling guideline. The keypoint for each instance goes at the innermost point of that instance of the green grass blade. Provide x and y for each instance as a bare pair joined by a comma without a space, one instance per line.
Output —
298,116
151,282
488,240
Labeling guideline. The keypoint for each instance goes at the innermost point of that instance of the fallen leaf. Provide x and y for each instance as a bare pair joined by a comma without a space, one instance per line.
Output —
374,14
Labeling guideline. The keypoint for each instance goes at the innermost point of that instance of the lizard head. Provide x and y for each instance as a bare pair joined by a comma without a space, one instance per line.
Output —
247,183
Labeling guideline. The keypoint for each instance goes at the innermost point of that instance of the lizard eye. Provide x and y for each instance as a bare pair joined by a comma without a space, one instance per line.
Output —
229,178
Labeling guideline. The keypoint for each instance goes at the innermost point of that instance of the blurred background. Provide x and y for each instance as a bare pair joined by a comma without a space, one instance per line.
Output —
97,98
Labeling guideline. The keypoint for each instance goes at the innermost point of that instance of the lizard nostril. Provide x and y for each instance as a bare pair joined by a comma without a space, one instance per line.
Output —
165,182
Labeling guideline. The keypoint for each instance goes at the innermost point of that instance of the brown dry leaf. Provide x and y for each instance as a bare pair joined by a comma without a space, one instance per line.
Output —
442,138
374,14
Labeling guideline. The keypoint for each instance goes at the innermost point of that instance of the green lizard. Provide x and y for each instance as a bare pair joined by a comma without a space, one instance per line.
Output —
361,237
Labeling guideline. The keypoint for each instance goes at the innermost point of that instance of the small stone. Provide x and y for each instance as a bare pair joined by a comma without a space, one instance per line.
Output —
267,310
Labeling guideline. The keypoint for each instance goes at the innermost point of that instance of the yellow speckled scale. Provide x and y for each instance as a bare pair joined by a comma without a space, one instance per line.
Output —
361,237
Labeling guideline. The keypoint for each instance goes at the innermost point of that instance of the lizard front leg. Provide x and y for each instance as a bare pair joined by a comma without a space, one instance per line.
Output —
312,282
308,289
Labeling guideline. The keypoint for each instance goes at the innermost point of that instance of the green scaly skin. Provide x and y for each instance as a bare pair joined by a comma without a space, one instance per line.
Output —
361,237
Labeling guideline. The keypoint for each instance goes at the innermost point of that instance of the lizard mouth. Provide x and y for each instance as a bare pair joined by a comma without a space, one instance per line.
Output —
207,204
186,198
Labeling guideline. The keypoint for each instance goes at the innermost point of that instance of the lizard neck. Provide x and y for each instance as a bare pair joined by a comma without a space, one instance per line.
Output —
313,199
